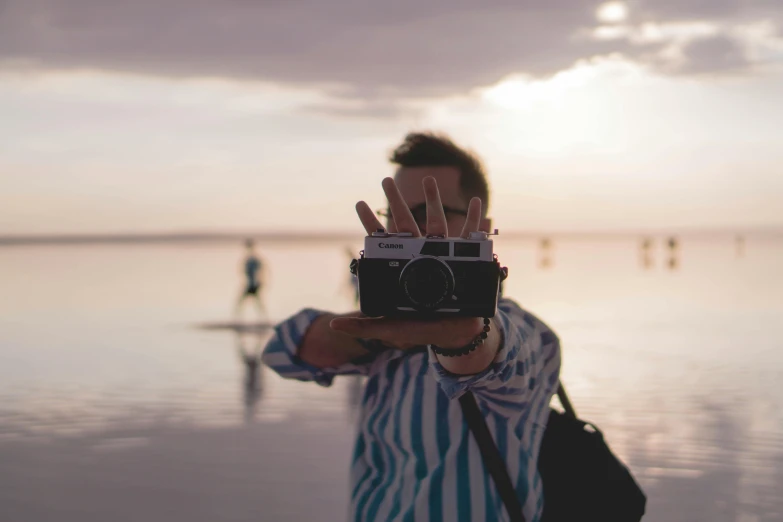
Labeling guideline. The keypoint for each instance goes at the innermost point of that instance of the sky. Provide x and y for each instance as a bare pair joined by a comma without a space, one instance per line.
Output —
174,115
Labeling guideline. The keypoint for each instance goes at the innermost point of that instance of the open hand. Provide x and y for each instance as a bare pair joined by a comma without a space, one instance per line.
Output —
402,219
453,332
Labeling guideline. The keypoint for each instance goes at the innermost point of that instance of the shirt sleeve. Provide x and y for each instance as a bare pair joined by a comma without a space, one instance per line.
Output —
281,356
527,364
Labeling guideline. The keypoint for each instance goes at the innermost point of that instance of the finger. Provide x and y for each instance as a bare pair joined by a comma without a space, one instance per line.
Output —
403,219
473,220
367,216
436,218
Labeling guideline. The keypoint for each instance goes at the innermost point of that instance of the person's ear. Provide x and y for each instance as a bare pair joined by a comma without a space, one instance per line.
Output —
485,225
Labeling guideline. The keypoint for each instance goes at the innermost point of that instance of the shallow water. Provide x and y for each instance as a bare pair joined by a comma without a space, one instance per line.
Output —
113,406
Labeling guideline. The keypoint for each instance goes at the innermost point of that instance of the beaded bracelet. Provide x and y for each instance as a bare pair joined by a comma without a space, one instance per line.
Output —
459,352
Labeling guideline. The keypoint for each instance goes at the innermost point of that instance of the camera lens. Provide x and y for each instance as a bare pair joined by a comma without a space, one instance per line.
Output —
427,282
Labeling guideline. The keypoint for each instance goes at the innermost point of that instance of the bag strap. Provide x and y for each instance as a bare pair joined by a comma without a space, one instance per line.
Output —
493,461
562,396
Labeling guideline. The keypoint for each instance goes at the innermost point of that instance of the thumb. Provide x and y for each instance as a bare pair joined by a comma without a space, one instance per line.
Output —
349,325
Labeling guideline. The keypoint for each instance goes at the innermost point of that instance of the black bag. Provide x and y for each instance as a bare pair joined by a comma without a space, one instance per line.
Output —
582,478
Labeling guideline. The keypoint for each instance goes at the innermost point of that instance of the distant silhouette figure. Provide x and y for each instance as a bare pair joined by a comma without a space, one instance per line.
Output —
252,363
353,281
739,243
253,268
545,261
674,246
646,254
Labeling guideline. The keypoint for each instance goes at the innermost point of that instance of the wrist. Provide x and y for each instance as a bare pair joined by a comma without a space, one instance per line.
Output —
479,359
477,341
458,336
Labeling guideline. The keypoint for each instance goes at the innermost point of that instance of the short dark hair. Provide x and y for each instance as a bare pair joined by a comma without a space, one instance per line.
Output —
425,149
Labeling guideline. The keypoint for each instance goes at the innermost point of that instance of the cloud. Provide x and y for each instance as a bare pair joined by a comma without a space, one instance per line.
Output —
354,50
399,49
713,55
716,10
365,108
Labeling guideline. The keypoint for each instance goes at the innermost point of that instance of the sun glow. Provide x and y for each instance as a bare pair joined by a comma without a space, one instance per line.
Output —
574,110
523,93
612,12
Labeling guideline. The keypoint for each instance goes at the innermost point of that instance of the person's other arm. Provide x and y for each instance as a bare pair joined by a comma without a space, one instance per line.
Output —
479,359
524,366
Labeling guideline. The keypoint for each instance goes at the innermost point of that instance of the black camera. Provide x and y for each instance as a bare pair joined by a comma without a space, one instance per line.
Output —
428,276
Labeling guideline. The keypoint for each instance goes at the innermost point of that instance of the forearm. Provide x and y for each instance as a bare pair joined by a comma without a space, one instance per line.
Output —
521,346
324,347
479,359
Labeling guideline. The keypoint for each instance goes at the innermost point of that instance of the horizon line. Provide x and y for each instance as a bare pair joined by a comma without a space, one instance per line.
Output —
344,235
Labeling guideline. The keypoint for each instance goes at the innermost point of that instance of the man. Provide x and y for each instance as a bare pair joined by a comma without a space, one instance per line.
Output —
415,459
252,268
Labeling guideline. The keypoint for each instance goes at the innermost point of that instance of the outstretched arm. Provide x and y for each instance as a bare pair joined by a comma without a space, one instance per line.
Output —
304,347
324,347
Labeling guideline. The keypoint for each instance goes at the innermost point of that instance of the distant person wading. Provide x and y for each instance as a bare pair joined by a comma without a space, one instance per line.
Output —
253,269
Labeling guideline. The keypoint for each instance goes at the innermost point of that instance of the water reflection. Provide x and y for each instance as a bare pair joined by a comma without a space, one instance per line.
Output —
179,474
725,476
119,393
249,348
704,463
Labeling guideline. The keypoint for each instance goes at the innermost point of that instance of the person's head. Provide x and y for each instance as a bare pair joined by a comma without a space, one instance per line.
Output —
249,244
459,174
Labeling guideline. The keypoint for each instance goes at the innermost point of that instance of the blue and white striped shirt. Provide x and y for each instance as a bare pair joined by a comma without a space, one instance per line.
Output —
415,459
